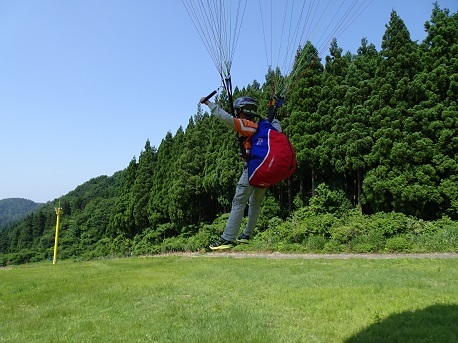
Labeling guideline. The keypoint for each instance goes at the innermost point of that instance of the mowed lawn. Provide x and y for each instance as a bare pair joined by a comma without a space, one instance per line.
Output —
208,298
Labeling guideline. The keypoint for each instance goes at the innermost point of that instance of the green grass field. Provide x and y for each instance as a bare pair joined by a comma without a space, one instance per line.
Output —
226,299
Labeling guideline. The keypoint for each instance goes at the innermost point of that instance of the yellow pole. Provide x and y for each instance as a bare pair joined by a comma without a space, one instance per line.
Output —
58,212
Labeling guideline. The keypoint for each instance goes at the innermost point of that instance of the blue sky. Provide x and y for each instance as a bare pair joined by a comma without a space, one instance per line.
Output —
84,84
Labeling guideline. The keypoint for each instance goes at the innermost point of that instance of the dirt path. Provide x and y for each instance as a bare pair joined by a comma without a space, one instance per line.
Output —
276,255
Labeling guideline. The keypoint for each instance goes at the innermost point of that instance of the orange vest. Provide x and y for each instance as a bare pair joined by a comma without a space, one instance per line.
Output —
246,128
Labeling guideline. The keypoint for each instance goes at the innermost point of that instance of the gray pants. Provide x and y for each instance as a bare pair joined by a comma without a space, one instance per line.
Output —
243,193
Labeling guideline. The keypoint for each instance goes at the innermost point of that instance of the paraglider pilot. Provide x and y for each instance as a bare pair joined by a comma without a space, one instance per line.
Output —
244,123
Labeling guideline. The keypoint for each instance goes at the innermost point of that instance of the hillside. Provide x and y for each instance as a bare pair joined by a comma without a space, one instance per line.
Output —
13,209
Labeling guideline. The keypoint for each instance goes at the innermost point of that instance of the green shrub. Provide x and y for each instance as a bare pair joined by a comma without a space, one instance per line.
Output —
121,245
397,244
363,248
369,242
445,239
327,200
203,238
315,243
388,224
298,202
419,226
450,238
174,244
445,222
298,228
270,208
322,224
277,231
290,247
343,234
333,246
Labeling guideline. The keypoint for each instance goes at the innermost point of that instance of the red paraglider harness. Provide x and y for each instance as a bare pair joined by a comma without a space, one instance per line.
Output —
272,156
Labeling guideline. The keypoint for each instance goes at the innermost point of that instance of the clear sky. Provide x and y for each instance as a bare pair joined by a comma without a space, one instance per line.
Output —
84,84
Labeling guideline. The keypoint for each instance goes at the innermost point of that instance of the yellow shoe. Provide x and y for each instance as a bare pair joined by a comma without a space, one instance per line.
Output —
221,244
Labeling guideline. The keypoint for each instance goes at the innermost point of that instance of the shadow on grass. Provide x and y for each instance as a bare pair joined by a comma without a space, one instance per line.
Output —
435,324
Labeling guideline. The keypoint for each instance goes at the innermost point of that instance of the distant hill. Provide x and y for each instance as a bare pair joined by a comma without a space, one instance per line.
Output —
13,209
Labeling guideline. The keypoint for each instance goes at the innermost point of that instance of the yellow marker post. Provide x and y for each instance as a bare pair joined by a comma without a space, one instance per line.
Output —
58,212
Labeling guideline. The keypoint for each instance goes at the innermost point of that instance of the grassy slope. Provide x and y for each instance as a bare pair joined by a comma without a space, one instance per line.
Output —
199,299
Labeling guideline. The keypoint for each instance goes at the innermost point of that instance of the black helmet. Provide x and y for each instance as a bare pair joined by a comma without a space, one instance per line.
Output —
248,105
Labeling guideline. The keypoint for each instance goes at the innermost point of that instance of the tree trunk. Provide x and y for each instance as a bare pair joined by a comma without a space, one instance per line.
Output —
360,187
290,196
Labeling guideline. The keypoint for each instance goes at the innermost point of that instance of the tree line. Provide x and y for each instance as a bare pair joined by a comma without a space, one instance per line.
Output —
380,127
14,209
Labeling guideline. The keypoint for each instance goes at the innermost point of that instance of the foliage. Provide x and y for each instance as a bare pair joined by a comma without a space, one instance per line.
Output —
13,209
329,201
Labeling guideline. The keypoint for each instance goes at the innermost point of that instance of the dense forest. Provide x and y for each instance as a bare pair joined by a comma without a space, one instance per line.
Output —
376,135
13,209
